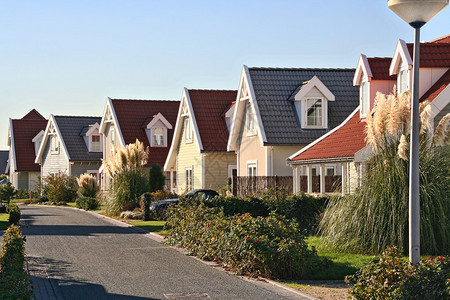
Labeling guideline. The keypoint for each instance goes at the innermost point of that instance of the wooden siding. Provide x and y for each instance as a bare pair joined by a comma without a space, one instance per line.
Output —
80,168
216,169
188,156
54,163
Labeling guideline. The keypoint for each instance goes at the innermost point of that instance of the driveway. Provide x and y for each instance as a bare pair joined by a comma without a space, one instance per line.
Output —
87,257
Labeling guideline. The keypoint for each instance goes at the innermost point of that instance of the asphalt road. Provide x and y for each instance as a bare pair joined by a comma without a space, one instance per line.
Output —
87,257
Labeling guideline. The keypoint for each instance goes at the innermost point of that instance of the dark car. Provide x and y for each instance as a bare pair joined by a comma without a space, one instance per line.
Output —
158,208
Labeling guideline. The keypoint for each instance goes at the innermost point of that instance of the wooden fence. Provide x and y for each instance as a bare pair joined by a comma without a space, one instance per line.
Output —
332,184
256,185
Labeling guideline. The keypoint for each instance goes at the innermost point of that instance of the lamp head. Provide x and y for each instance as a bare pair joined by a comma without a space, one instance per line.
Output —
417,12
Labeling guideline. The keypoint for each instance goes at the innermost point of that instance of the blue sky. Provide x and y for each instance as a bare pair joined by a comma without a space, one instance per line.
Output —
66,57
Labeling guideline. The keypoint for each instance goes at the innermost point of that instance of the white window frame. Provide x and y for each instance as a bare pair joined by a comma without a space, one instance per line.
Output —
55,145
404,74
252,168
91,172
189,180
164,135
112,133
364,93
330,168
322,115
250,120
188,132
91,143
230,170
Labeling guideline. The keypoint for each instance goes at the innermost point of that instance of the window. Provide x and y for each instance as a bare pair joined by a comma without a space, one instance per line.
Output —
314,171
113,137
365,98
187,131
158,137
95,143
54,145
329,171
314,112
403,81
189,178
93,173
252,168
251,124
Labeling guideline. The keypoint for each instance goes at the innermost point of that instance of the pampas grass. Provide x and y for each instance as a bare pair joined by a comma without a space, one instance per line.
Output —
376,215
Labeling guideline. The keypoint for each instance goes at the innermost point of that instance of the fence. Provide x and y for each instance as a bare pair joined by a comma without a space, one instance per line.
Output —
332,184
256,185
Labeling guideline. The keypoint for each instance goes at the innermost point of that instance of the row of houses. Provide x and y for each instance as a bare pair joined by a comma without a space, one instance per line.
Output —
305,123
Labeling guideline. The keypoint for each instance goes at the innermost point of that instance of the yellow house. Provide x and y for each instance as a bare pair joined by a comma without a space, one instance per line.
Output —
198,152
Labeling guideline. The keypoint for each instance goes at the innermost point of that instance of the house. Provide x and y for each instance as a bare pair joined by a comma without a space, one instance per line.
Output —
24,139
279,110
149,121
71,145
199,148
345,145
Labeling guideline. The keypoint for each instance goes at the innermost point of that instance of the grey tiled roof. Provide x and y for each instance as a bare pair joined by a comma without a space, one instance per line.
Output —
70,128
274,91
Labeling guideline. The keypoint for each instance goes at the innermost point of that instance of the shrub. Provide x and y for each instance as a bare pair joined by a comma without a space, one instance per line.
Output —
163,194
86,203
146,199
376,215
7,191
129,181
391,277
21,194
14,281
156,178
270,246
59,187
14,214
87,186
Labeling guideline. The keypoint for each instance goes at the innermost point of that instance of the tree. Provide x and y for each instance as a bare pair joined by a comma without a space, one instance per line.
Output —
376,215
156,178
7,191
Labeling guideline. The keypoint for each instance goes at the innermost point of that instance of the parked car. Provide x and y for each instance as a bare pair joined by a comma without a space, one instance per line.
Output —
158,208
4,181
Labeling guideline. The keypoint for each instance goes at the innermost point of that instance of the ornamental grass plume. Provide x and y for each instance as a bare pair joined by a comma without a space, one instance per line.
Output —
441,136
425,114
88,185
375,215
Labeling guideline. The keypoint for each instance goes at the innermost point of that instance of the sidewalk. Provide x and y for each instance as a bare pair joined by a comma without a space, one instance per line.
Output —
43,286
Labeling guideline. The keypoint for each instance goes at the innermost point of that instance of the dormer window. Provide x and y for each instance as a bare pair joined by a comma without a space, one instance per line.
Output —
94,138
314,111
364,92
311,103
157,131
54,145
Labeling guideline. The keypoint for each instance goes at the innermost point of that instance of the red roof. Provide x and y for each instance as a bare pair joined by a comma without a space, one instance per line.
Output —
24,130
134,115
344,142
437,88
380,68
444,39
433,54
209,108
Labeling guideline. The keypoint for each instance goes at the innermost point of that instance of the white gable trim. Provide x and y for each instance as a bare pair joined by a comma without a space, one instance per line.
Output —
13,145
440,102
51,121
109,107
363,71
401,59
159,117
323,136
185,103
91,130
245,84
38,136
314,82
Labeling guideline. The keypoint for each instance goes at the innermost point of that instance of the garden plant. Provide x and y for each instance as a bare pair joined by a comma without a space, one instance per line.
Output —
59,187
87,192
375,216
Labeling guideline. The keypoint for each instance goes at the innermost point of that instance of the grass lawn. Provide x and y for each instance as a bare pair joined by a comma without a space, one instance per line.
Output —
343,263
151,226
4,221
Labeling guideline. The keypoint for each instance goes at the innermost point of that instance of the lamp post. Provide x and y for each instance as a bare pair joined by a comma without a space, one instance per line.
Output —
416,13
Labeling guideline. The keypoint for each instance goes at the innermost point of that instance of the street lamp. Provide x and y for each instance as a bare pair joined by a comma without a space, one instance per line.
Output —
416,13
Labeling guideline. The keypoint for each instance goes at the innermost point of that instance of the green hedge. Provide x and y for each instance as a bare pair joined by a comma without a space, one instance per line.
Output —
391,277
271,246
14,281
14,214
86,203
